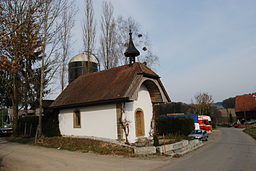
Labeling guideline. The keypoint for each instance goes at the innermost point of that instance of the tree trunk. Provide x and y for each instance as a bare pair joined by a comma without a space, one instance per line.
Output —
41,99
62,76
15,103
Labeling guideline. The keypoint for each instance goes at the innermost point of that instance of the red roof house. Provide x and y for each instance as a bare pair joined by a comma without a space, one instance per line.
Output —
245,106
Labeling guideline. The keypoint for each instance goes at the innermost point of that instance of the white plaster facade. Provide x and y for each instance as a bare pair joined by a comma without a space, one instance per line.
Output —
143,102
97,121
100,121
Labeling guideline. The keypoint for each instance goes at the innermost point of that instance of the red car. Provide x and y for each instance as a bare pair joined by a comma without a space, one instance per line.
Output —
239,126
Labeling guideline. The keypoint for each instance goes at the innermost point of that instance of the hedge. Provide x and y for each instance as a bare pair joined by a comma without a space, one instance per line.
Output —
50,125
27,126
173,125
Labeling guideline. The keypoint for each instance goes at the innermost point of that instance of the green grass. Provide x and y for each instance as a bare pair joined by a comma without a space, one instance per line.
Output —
176,137
251,131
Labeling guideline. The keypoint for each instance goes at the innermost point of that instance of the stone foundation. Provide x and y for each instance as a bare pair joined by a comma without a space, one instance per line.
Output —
178,148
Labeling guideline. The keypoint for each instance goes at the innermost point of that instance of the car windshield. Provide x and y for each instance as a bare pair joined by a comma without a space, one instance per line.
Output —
206,122
197,132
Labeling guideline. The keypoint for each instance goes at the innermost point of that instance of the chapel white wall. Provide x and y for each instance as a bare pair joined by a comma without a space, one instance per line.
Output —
97,121
142,102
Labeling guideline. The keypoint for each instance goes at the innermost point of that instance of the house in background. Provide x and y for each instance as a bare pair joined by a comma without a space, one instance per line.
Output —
225,114
34,111
118,103
245,107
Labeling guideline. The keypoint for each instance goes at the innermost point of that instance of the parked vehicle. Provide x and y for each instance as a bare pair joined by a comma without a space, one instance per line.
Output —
238,125
200,121
205,123
6,132
199,134
251,122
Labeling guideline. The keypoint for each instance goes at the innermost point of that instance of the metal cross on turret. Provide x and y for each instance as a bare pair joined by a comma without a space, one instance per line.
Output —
131,52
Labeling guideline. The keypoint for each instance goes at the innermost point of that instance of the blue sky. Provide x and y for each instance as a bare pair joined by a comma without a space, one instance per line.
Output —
202,45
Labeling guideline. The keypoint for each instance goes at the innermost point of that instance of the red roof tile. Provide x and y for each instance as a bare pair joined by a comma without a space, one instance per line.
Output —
245,103
103,86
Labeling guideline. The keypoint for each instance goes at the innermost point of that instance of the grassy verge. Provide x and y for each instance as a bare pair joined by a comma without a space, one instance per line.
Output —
224,125
77,144
20,140
85,145
251,131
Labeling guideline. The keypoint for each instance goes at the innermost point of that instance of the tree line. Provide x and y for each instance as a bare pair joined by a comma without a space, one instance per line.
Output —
202,104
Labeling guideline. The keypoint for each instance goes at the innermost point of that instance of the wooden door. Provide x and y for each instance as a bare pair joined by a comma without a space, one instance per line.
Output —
139,124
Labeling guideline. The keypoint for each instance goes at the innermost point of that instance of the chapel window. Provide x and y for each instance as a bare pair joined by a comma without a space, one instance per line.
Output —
77,119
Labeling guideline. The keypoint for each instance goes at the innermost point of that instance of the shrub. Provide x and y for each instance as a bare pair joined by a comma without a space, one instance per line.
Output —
27,126
156,141
174,125
50,125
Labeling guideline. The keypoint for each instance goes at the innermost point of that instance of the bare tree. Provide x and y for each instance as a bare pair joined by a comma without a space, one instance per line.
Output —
203,104
28,31
108,37
115,36
124,26
65,40
89,32
140,39
50,28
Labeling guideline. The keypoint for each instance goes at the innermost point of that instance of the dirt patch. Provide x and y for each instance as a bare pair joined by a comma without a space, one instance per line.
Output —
85,145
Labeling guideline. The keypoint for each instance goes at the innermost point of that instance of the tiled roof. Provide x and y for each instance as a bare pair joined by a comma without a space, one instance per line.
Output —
104,86
47,103
245,103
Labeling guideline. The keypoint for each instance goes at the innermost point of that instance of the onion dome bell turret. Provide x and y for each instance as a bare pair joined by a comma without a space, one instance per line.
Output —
131,52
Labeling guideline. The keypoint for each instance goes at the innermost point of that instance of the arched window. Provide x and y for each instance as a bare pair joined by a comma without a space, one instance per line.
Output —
76,119
139,123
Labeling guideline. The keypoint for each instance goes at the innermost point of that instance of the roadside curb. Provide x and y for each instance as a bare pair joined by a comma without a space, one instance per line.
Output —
179,148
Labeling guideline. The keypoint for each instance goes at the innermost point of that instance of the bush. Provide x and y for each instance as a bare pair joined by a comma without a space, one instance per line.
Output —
174,125
27,126
50,125
156,141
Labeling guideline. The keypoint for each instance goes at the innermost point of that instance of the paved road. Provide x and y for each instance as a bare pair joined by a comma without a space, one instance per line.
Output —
233,150
227,149
30,158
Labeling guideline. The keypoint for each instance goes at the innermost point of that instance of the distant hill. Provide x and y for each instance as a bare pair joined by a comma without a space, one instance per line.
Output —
218,105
